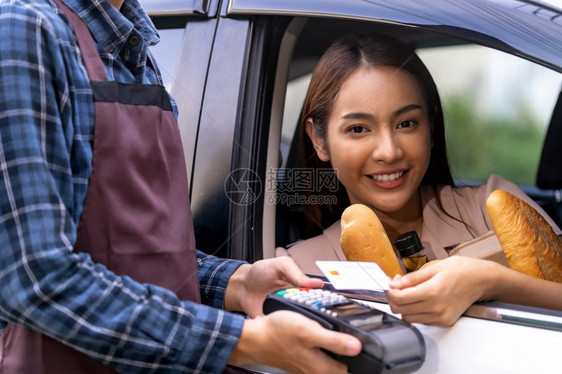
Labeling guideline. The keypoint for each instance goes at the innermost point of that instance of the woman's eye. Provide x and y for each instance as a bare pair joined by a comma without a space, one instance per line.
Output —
406,124
357,129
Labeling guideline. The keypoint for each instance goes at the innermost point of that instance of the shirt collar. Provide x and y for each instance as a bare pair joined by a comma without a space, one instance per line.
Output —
111,28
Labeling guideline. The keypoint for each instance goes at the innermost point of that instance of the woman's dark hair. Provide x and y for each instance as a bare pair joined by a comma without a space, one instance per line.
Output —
341,59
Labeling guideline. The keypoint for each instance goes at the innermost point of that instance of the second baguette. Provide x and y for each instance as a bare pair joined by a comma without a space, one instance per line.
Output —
529,243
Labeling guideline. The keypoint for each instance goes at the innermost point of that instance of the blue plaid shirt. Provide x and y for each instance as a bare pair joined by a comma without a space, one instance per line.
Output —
46,132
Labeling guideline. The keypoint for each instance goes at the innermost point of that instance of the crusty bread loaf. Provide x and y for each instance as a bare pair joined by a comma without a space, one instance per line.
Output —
363,238
529,243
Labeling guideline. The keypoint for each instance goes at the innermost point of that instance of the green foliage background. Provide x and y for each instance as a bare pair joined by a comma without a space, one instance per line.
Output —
480,144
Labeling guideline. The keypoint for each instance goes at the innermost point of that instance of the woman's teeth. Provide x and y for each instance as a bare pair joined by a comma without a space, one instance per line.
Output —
387,177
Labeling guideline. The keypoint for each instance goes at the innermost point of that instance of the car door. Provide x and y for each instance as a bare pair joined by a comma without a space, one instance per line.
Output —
236,65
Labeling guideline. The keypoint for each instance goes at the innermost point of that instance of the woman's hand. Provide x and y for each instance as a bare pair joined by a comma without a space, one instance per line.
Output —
439,294
292,342
250,284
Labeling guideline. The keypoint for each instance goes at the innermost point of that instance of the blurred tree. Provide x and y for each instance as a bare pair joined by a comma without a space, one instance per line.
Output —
479,144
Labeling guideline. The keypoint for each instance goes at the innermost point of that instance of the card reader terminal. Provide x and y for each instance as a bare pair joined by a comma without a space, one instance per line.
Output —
390,345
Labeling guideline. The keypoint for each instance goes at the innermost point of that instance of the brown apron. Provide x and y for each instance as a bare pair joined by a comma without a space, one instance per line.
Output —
136,218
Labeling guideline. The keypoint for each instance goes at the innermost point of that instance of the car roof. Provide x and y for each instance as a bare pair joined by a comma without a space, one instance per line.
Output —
531,29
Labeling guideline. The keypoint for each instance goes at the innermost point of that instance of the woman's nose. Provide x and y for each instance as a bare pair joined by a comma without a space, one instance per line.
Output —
386,148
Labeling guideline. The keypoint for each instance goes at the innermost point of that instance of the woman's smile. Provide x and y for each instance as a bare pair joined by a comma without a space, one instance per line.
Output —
389,180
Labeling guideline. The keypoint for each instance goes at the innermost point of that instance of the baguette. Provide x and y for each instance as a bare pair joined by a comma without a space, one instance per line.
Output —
528,241
364,238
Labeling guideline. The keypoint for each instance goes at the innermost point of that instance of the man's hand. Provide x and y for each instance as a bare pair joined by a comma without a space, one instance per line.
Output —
292,342
250,284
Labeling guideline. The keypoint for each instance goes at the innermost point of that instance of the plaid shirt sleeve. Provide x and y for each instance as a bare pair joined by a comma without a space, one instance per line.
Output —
47,287
214,274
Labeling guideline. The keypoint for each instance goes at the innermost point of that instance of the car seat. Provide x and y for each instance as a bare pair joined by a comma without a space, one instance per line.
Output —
289,217
549,175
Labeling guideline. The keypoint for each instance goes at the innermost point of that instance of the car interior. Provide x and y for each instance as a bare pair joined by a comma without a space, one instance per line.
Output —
549,174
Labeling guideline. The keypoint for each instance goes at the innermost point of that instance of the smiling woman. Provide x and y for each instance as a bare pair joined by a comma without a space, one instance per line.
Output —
372,113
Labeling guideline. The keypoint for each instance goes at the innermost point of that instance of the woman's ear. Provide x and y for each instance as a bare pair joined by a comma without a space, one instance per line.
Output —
317,141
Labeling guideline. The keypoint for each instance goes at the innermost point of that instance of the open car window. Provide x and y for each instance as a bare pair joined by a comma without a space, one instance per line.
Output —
497,110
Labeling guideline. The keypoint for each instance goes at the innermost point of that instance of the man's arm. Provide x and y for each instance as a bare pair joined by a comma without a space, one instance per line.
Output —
45,285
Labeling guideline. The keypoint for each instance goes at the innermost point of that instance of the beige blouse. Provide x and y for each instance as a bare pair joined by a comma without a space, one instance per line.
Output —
440,233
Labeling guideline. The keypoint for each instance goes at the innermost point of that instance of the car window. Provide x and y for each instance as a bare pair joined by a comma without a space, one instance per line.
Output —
497,109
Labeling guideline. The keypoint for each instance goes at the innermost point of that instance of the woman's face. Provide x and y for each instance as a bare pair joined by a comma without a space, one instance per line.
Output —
378,139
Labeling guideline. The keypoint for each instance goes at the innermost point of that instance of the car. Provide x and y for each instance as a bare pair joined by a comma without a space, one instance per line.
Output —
239,70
